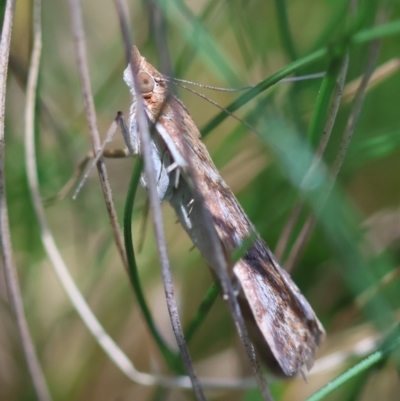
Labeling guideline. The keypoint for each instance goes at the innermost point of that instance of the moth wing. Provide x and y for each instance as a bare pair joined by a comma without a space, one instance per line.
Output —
283,316
168,139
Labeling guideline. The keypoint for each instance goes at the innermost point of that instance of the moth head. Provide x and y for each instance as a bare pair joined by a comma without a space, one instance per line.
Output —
148,78
146,83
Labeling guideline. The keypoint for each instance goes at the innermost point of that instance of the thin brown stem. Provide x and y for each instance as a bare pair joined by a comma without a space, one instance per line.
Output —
83,69
334,108
79,170
76,298
346,138
221,269
145,140
374,49
11,275
300,243
100,154
384,71
370,292
287,232
218,261
158,26
306,231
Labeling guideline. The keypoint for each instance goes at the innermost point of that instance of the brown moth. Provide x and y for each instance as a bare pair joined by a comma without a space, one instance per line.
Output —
281,323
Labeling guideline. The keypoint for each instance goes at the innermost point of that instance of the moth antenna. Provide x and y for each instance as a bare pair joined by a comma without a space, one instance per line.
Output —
217,88
108,139
218,106
221,89
303,77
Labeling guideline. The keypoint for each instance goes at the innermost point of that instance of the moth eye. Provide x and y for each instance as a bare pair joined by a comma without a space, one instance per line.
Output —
146,82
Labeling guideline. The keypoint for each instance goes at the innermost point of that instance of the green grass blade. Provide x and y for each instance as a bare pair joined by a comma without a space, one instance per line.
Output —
214,291
199,37
320,111
391,28
377,32
377,147
336,24
202,311
356,370
261,87
188,53
170,357
340,221
284,29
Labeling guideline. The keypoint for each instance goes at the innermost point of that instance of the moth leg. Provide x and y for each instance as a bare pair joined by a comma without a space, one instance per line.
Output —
190,207
112,153
118,120
164,170
129,134
172,167
186,206
185,216
79,171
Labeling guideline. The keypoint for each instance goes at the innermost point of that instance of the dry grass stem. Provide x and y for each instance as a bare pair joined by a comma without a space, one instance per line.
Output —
155,207
308,227
11,275
83,69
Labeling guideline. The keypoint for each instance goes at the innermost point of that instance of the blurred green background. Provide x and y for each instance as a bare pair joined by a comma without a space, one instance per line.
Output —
229,43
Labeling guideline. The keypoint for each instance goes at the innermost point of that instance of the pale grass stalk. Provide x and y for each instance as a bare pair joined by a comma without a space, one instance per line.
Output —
352,120
158,25
230,297
216,253
78,301
373,54
10,271
287,232
83,70
221,269
383,72
155,207
220,263
100,154
299,245
370,292
337,359
60,268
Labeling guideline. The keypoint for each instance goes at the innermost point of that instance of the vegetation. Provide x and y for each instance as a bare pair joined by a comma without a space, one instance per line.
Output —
343,248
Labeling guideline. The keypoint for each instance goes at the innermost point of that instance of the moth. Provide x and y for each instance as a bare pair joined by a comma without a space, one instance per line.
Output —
281,323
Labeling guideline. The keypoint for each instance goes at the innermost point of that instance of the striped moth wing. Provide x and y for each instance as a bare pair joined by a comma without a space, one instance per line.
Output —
282,324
